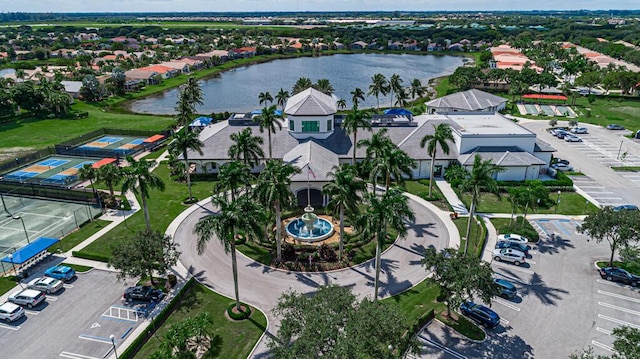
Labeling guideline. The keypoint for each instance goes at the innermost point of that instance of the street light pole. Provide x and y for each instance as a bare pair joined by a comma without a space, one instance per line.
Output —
113,342
13,264
619,149
124,215
558,201
26,234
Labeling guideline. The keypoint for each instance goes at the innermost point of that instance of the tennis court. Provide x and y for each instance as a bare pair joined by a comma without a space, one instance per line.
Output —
26,219
57,170
121,145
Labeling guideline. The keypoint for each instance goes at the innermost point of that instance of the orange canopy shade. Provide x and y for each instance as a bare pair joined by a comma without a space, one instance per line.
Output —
154,138
102,162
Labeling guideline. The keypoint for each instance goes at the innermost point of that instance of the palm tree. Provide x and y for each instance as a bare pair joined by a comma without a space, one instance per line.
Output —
282,98
377,146
392,163
356,95
193,92
395,84
139,179
231,176
184,110
341,104
354,120
441,136
265,97
183,142
246,147
324,86
110,175
382,213
274,190
302,84
401,97
87,172
243,213
417,90
481,178
269,121
344,193
379,85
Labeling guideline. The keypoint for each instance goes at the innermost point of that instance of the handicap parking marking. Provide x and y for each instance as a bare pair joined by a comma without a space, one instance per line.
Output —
75,356
121,313
3,326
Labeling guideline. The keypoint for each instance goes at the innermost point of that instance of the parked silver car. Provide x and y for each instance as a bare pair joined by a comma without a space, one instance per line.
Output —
10,312
509,255
46,284
579,130
27,297
572,138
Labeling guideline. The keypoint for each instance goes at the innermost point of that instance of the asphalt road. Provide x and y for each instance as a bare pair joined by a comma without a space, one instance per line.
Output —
74,323
261,286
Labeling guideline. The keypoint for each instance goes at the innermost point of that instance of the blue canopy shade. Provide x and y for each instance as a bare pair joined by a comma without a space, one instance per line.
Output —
201,122
259,112
30,250
398,111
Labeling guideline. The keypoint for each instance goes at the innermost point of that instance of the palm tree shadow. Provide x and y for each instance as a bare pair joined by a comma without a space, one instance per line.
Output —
421,229
392,285
546,295
216,347
554,244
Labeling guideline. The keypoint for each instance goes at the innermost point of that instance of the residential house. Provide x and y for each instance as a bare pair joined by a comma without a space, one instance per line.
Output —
358,45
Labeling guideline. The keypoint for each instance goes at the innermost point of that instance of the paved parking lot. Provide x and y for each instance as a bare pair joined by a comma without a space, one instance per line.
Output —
75,323
561,303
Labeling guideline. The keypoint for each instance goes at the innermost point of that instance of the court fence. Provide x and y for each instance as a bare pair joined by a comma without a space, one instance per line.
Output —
40,190
71,147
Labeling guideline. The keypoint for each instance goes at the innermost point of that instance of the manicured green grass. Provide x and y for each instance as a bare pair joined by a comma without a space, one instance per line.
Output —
77,237
504,225
627,169
233,339
79,268
477,235
6,284
163,208
155,154
420,188
571,203
255,252
444,87
630,267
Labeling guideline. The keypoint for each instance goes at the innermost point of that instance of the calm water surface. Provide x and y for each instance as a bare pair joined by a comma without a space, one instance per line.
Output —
238,90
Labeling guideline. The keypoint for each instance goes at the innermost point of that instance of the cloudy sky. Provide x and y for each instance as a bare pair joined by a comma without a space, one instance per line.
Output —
304,5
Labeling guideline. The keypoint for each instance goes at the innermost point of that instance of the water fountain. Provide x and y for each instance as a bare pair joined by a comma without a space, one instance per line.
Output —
309,227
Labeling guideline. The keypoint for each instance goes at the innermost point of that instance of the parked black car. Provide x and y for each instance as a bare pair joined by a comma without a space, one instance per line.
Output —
481,314
619,275
143,293
505,288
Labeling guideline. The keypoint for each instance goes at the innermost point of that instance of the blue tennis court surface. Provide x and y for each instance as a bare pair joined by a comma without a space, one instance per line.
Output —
57,178
52,162
109,139
21,174
137,141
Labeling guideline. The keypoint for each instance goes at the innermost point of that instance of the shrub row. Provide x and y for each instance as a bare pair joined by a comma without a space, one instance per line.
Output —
91,256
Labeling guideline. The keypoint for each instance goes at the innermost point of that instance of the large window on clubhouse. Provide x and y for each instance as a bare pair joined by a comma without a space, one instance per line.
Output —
310,126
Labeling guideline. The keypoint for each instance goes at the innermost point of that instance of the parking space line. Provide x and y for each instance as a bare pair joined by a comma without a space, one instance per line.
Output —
504,321
442,347
506,304
514,267
609,283
17,327
619,296
622,309
605,347
95,339
68,285
605,331
618,321
31,312
51,299
130,315
76,356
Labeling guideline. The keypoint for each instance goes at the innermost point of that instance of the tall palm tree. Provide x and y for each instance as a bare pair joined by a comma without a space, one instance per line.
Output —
344,194
302,84
246,147
379,85
243,213
480,179
274,190
281,97
193,91
110,175
354,120
417,90
87,172
389,211
184,110
441,136
356,95
183,142
231,176
269,121
401,97
377,146
341,104
392,163
139,179
324,86
265,97
395,84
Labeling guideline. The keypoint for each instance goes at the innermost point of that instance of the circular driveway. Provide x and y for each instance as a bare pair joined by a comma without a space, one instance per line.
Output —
261,285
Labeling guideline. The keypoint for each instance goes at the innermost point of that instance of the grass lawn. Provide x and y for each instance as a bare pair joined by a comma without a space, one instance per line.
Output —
626,169
571,203
476,234
6,284
81,234
502,226
420,188
232,339
163,208
79,268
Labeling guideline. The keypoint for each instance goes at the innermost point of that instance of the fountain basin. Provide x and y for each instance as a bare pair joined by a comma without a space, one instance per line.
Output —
321,230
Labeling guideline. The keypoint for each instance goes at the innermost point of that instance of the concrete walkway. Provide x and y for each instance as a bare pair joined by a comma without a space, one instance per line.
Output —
451,196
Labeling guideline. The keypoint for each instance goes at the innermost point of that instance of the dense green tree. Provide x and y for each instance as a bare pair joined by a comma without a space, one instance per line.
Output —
334,324
619,229
274,190
118,80
530,196
354,120
344,191
27,96
441,136
459,276
185,338
183,142
138,178
110,175
143,254
324,86
625,346
301,84
91,90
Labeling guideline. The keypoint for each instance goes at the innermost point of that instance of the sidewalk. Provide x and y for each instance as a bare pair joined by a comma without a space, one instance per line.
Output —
451,196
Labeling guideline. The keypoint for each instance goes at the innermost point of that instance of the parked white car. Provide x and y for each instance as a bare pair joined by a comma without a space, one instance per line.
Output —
561,167
509,255
10,312
46,284
28,297
512,237
572,138
579,130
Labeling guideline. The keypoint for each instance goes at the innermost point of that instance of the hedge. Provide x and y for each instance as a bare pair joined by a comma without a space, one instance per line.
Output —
91,256
131,351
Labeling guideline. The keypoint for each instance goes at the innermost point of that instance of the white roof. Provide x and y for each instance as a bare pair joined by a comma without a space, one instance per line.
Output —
310,102
471,100
313,160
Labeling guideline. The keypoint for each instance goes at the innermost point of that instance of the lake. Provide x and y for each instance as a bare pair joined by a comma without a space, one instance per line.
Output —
237,90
